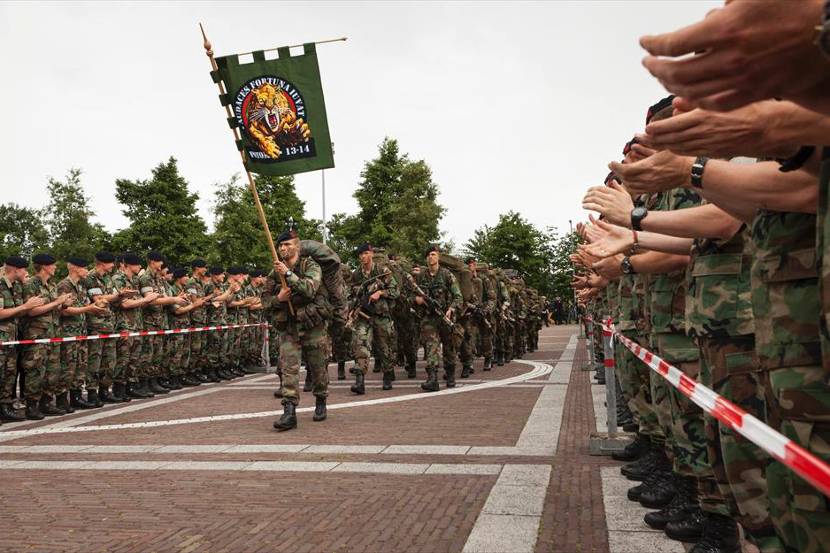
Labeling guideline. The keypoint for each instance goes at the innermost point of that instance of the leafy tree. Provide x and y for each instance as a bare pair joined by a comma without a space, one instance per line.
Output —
68,219
162,214
22,231
398,206
238,235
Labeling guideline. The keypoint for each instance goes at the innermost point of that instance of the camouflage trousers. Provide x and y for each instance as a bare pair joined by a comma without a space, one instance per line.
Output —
486,336
519,346
801,410
8,368
152,354
252,343
407,338
74,365
504,337
41,364
641,403
234,337
128,360
309,345
340,340
468,341
198,349
101,356
218,343
274,346
730,367
179,353
439,343
373,334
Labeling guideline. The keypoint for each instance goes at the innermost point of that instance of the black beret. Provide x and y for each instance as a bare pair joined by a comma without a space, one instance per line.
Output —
432,248
78,261
17,262
43,259
257,273
198,263
104,257
469,260
286,235
234,270
365,247
132,259
658,107
155,256
245,270
216,270
179,272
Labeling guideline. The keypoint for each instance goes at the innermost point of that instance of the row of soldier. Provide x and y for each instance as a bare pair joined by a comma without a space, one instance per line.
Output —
385,309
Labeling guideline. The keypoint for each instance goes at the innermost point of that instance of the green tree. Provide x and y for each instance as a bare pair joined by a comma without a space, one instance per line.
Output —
514,243
163,215
68,219
398,206
22,231
238,235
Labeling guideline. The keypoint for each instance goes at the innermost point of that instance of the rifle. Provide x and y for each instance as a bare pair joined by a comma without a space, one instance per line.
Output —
431,304
360,300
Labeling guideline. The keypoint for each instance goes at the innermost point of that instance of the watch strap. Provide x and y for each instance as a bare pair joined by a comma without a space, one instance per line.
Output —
697,171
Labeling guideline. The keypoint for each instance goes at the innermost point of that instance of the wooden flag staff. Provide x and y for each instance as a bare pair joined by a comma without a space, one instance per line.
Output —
209,52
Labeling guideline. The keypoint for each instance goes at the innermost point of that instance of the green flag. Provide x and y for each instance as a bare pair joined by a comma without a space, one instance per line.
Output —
279,109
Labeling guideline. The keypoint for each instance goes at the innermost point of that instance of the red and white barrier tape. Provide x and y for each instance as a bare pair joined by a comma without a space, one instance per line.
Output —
126,334
801,461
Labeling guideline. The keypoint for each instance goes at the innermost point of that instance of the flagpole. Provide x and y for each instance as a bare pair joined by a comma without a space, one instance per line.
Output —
263,221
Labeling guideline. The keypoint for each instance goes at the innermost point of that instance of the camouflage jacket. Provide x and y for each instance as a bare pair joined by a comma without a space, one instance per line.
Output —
127,319
73,325
154,315
442,287
386,281
823,255
11,296
217,313
196,289
718,300
628,304
784,289
98,285
49,292
178,320
488,293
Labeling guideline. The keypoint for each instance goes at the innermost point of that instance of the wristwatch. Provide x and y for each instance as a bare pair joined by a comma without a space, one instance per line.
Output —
288,273
637,215
823,32
697,171
626,267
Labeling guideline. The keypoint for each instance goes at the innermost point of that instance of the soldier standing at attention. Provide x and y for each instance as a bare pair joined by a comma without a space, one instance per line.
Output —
374,288
41,362
302,333
198,317
12,308
442,301
217,316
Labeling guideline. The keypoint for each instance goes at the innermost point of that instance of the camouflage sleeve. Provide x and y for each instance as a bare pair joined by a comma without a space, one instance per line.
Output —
309,283
681,198
455,292
145,283
392,292
505,293
30,290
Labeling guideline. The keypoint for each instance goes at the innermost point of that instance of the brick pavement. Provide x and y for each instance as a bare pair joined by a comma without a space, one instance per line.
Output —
233,510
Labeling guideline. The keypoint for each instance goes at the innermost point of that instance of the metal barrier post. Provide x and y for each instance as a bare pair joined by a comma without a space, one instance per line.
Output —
610,382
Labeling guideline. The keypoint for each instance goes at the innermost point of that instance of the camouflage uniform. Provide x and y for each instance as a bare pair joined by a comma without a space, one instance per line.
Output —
154,318
373,324
198,317
11,296
504,326
405,317
336,289
101,354
217,316
787,340
467,322
179,344
236,315
304,333
128,365
41,362
488,306
74,367
719,315
252,336
624,360
443,288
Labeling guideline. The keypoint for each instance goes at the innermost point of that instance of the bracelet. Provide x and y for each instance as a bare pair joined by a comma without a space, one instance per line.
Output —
636,243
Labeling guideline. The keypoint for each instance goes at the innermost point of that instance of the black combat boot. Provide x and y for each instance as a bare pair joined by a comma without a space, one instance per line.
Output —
720,535
465,371
500,358
690,528
105,396
638,470
62,402
288,420
188,381
93,399
431,384
359,386
634,450
144,387
48,409
32,411
155,387
164,382
488,364
78,401
212,375
450,376
341,370
119,392
173,383
320,412
410,370
661,492
307,386
387,380
201,376
679,507
8,413
134,391
376,366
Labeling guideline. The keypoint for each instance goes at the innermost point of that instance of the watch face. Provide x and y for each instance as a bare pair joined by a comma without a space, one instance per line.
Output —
639,212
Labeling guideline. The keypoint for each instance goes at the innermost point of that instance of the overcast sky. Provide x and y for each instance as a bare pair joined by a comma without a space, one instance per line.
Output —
514,106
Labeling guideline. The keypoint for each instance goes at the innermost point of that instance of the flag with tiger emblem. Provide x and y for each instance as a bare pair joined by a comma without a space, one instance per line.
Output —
278,107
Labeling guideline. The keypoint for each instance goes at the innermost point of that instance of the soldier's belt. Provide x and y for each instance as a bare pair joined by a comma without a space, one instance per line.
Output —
127,334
